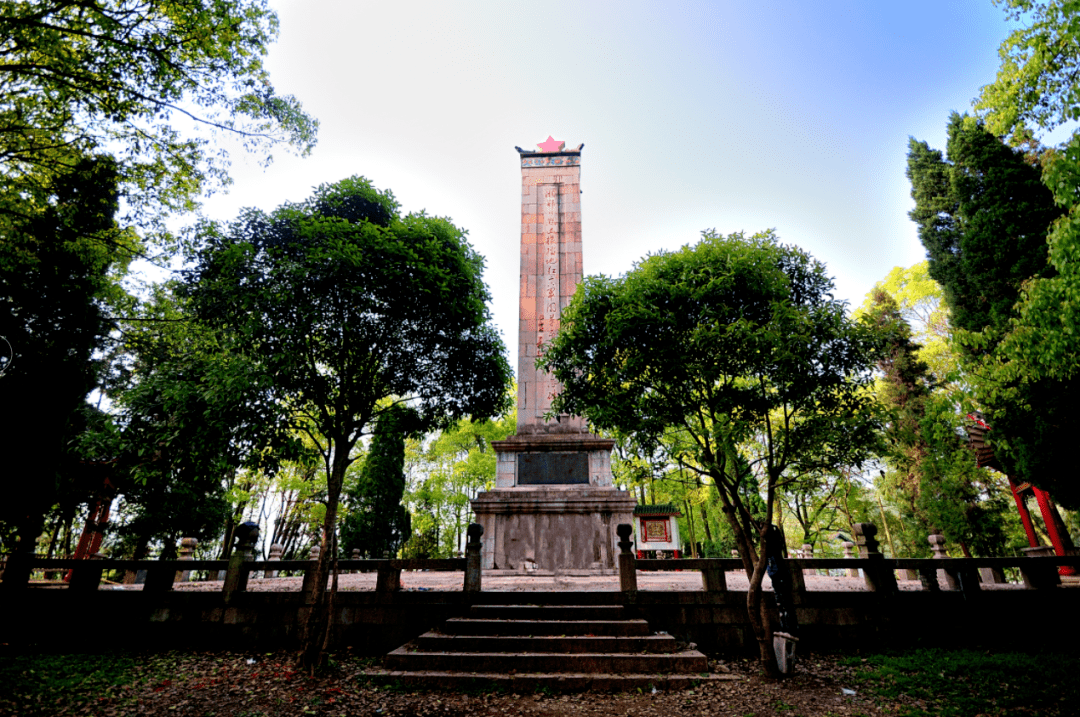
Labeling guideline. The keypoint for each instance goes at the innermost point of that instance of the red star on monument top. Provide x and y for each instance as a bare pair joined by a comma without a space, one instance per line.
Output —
551,145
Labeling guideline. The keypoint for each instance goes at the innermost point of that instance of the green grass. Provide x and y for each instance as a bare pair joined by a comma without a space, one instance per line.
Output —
34,682
966,683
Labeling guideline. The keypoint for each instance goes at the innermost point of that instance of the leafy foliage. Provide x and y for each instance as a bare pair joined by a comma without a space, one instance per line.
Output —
188,422
153,82
983,217
730,340
59,264
922,305
932,473
1033,369
348,310
733,344
112,113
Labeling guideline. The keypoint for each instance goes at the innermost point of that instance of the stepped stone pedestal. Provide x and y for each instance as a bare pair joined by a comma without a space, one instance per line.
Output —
559,647
553,508
548,527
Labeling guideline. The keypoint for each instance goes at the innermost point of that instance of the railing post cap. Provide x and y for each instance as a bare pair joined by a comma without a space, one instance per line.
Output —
474,531
623,530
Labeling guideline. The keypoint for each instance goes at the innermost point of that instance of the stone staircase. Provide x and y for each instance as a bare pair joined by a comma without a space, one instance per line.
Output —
524,648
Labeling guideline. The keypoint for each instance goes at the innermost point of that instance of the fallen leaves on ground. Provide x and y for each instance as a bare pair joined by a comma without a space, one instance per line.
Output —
206,684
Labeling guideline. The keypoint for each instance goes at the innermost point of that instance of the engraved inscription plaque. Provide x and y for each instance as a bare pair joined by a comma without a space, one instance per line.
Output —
552,468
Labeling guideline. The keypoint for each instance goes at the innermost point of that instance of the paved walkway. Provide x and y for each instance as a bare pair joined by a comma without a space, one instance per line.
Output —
651,581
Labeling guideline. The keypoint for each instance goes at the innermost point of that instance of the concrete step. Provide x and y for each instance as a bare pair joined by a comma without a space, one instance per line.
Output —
532,682
408,657
471,626
548,612
439,642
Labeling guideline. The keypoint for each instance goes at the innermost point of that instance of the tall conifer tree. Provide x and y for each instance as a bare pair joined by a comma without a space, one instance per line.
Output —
378,524
983,214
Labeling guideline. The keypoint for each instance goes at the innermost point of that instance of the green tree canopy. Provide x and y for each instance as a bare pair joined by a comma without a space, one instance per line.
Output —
182,396
1036,86
921,303
933,475
737,343
983,214
349,308
154,82
1038,361
113,115
58,267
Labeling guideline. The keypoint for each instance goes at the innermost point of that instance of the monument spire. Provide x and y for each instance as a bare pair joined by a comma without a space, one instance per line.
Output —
553,506
550,273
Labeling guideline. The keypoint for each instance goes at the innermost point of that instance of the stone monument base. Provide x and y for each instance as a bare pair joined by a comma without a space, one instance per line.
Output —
552,529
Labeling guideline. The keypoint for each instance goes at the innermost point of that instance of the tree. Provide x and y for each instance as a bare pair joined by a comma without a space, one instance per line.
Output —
350,309
922,305
461,463
182,395
152,81
377,523
932,473
983,215
1035,87
101,105
1038,360
731,342
58,268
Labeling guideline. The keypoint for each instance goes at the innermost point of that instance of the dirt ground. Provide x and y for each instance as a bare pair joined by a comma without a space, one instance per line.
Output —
267,685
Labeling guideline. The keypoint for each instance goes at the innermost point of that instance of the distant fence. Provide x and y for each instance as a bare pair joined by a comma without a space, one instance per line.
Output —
961,574
162,575
877,571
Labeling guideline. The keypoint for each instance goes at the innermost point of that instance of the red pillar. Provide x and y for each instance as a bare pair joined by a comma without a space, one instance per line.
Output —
1052,521
99,529
1025,516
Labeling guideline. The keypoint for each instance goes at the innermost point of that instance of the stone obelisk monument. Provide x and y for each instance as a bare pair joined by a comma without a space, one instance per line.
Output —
553,507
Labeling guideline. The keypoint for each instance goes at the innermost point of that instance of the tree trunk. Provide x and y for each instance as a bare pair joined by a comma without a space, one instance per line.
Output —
53,536
69,522
754,564
316,635
705,522
758,614
690,525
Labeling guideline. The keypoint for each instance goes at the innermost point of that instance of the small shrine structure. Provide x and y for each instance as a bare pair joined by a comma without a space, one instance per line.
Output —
657,529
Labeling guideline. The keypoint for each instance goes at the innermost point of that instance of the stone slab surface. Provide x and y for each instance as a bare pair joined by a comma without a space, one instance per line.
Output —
480,626
556,682
514,639
685,661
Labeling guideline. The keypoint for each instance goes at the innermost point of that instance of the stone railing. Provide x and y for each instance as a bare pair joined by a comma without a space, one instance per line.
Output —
161,575
879,572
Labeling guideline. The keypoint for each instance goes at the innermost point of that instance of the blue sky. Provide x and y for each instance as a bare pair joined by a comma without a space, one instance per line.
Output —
734,115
